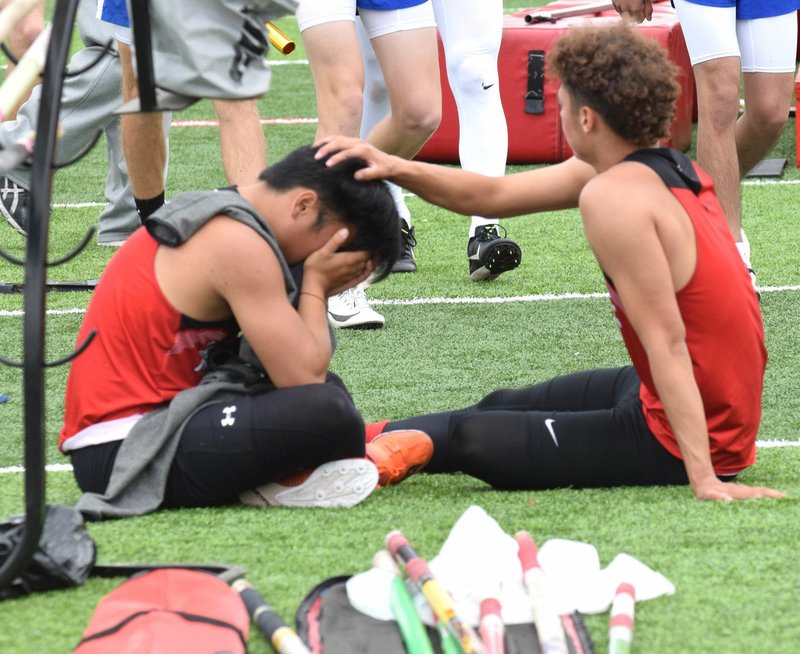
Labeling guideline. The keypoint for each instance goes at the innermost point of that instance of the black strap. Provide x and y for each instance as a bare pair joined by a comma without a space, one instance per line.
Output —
191,617
673,167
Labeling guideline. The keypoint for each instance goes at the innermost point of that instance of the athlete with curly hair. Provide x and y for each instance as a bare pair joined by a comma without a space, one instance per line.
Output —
733,43
685,411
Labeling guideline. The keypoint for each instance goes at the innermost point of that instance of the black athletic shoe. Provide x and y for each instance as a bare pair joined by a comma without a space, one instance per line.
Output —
406,261
14,204
489,254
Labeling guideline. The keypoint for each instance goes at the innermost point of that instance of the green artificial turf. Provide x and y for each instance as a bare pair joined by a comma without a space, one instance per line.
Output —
447,342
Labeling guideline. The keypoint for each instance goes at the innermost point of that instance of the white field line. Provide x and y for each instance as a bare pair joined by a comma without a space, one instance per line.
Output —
89,205
271,62
547,297
263,121
66,467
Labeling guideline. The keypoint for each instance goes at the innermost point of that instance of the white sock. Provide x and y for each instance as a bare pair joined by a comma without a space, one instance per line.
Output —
480,221
399,202
744,249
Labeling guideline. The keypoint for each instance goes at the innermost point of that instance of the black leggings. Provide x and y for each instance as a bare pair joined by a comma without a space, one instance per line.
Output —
581,430
272,435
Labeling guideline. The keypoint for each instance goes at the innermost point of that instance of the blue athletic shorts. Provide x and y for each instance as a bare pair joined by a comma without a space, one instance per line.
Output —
382,5
749,9
114,12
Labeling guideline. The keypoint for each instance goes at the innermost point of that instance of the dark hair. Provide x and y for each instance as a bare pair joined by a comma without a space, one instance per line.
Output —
623,75
366,206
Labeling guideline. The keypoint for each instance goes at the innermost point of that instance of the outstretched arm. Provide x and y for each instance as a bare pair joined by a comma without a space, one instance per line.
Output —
542,189
621,229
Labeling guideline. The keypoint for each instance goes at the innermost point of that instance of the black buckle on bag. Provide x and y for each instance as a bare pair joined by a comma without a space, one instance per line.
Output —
534,97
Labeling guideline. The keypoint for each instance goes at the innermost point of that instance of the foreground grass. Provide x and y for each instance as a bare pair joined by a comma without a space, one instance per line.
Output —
731,563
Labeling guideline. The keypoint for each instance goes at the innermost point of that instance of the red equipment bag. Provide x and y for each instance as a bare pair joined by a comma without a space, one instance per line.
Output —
168,610
529,94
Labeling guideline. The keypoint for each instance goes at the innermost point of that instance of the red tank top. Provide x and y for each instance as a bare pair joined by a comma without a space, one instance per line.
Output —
724,335
144,353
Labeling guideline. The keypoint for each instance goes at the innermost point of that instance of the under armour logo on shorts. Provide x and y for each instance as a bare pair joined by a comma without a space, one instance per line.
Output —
228,420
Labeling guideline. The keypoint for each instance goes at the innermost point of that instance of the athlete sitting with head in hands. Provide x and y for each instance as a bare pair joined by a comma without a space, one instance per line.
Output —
141,428
686,411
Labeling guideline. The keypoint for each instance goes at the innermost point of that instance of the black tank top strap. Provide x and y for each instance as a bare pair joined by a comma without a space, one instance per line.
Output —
673,167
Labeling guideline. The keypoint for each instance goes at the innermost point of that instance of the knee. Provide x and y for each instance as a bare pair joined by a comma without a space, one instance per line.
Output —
769,115
340,90
340,418
472,452
718,103
419,119
470,72
349,99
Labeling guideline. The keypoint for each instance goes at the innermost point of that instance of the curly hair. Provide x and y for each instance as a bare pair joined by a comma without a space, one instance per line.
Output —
623,75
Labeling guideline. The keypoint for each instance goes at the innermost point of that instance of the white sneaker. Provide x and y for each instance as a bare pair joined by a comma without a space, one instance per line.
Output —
341,483
350,309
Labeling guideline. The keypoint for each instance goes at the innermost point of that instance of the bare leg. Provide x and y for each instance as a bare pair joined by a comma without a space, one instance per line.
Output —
767,98
718,109
143,139
241,139
410,63
338,73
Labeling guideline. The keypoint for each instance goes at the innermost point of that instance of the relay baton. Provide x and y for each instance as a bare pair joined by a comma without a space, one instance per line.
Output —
567,12
491,629
14,13
547,621
282,636
405,613
25,75
438,598
447,641
620,628
279,40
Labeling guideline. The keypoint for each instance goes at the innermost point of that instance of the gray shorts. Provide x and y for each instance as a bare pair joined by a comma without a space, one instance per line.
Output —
212,49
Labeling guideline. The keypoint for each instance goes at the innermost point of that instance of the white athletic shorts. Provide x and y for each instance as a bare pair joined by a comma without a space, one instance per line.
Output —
115,12
765,45
377,22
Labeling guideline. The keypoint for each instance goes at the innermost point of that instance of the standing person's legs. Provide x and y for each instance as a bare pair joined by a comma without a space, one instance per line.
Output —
376,108
143,142
586,429
768,47
403,42
88,104
471,33
241,140
119,219
329,35
328,31
711,39
405,45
